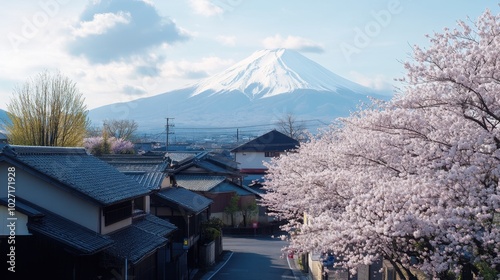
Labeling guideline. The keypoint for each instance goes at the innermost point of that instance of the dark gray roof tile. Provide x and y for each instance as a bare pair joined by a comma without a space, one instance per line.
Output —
126,163
81,172
213,168
199,183
134,244
188,200
273,141
154,225
181,156
231,187
223,160
150,180
71,234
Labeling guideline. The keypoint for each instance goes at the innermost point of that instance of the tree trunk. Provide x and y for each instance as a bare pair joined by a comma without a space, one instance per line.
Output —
467,272
400,272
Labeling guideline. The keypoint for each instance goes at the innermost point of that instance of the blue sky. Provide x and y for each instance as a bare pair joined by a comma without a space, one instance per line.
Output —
119,50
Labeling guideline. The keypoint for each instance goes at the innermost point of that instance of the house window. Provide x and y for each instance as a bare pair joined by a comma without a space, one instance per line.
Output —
272,154
117,212
138,206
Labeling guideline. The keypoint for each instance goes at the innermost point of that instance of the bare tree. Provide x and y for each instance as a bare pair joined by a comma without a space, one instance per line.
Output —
289,125
94,131
120,129
47,110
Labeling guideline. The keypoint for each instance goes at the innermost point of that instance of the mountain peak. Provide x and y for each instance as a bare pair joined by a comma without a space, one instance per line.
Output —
252,92
271,72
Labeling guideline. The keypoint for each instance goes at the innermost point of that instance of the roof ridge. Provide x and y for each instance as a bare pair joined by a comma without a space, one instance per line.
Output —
200,176
7,149
45,150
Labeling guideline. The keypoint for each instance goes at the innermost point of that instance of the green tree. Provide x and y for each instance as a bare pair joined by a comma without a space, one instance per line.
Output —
248,211
233,207
47,110
211,229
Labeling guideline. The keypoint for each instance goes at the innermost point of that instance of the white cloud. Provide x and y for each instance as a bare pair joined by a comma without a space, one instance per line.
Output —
101,23
226,40
292,42
205,8
149,2
195,70
133,90
106,37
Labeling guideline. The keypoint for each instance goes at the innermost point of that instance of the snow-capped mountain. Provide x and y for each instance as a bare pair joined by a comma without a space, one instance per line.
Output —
257,90
268,73
3,118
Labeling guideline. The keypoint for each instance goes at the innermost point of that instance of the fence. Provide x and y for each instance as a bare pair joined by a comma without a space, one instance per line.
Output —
209,252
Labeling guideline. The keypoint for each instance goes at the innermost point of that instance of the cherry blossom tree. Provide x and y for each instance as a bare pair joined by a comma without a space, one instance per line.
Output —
99,145
413,180
121,146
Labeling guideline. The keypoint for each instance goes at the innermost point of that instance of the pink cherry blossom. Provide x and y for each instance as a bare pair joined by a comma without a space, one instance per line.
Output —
413,180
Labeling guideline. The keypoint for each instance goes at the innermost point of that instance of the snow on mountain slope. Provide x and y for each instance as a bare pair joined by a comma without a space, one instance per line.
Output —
268,73
257,90
4,118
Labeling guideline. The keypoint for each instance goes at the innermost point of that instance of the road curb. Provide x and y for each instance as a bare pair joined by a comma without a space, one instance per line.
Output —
213,270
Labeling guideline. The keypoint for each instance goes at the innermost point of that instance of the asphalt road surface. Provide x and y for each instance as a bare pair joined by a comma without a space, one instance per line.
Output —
254,258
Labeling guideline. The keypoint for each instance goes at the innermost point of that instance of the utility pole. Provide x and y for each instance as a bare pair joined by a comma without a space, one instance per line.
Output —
168,126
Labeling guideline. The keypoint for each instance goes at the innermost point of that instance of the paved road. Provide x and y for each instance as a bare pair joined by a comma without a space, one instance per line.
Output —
254,258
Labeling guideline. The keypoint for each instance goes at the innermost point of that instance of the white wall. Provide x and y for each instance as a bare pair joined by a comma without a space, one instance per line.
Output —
52,198
252,160
20,223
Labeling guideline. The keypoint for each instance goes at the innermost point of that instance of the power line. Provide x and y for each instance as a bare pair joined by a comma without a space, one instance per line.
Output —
237,131
250,126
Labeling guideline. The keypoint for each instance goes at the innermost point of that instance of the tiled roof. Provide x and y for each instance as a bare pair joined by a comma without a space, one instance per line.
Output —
71,234
179,157
153,153
184,198
126,163
213,168
213,184
229,162
256,187
199,183
134,244
212,163
147,170
133,157
151,180
138,166
272,141
80,172
152,224
231,187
